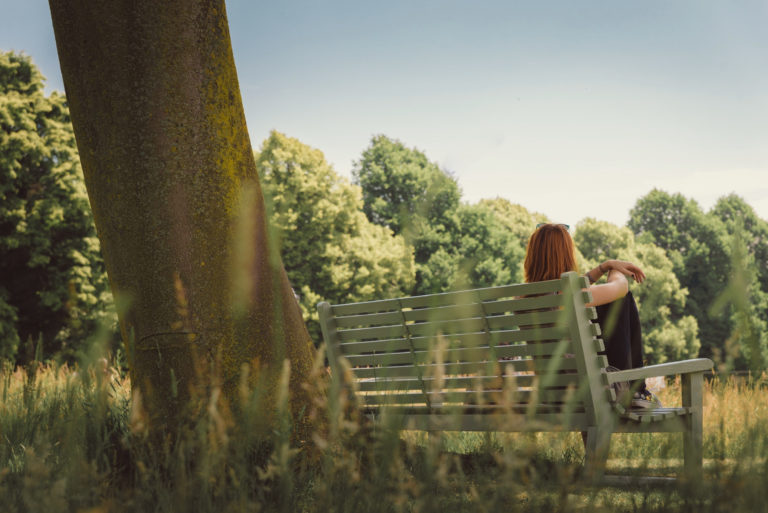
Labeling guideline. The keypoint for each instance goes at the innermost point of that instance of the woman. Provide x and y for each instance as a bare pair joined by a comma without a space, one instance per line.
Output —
550,253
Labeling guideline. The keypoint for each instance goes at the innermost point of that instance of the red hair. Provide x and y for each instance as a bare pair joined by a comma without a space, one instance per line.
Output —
550,253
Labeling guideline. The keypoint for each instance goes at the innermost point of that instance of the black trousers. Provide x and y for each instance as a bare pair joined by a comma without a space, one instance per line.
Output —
620,324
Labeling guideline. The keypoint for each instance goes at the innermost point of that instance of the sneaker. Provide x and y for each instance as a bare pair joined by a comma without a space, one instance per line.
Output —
646,400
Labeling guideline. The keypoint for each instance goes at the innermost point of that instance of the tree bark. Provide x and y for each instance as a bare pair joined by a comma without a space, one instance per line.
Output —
170,173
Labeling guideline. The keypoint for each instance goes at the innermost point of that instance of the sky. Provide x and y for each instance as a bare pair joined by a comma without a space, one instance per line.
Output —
570,108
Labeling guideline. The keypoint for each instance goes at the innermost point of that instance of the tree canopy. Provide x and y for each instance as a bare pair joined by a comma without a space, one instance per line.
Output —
54,288
711,253
330,250
698,246
455,245
401,228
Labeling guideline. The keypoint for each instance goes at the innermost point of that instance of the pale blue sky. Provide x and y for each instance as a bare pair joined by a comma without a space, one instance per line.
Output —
570,108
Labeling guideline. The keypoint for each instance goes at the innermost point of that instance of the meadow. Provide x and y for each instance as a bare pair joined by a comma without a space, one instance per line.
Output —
73,439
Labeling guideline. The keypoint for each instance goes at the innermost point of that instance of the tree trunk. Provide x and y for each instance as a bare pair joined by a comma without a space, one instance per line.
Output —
170,173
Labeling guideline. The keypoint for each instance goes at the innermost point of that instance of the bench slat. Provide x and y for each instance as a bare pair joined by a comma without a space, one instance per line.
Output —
547,365
476,354
446,327
524,319
541,381
374,319
460,354
472,398
451,312
477,309
387,345
444,313
477,295
385,332
496,338
463,340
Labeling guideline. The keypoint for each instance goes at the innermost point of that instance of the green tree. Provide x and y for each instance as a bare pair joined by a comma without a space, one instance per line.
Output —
738,216
515,218
54,287
749,300
668,333
699,248
489,252
400,184
172,182
412,196
330,250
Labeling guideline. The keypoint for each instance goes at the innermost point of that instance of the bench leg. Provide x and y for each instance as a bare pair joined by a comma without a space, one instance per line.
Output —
693,435
597,443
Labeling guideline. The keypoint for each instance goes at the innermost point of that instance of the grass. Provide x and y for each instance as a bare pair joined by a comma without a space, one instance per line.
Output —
74,440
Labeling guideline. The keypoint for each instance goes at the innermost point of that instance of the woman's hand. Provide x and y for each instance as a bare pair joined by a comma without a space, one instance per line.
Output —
626,268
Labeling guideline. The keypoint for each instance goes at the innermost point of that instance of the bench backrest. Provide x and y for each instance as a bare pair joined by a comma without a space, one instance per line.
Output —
529,347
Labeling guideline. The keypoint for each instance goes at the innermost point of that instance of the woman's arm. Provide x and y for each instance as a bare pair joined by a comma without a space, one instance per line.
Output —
625,268
616,287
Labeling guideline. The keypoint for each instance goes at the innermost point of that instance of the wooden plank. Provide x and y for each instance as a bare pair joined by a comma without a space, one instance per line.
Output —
477,295
662,369
328,328
526,381
523,304
444,313
484,339
454,340
386,345
693,384
473,398
598,408
368,307
543,365
511,342
382,332
375,319
501,354
525,319
385,359
598,343
447,327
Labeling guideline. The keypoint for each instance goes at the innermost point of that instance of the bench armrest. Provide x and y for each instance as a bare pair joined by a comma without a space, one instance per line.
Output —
662,369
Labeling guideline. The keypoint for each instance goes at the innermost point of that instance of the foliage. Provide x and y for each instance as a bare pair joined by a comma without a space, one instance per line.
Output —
54,286
400,185
412,196
709,251
698,246
748,285
491,254
330,250
455,245
668,333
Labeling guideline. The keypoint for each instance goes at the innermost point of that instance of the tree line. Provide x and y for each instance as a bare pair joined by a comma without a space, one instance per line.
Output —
399,227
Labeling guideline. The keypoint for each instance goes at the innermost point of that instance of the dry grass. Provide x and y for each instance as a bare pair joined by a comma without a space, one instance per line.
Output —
69,441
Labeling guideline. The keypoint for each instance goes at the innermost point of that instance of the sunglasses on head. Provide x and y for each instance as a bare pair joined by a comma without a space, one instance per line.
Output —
566,226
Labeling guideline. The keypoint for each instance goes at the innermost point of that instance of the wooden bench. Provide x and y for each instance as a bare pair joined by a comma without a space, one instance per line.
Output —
513,358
